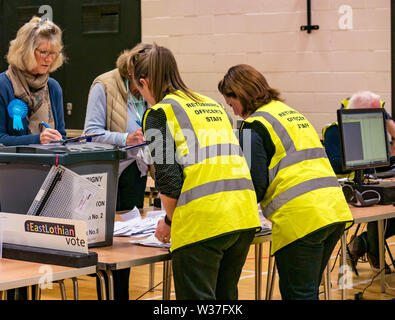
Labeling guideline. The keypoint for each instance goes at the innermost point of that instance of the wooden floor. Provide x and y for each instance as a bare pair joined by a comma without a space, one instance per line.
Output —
139,281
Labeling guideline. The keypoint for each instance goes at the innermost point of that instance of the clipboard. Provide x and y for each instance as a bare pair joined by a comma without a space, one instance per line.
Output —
87,137
134,146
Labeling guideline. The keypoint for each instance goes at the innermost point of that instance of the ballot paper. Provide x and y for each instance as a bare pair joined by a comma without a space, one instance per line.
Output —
265,224
133,225
150,241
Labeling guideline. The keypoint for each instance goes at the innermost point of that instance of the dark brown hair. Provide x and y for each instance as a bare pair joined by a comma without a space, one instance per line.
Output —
249,86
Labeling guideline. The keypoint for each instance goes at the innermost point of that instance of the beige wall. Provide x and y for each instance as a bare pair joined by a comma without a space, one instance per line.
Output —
314,72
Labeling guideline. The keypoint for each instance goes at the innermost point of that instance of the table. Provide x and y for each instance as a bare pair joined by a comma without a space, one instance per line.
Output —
16,274
258,241
368,214
123,254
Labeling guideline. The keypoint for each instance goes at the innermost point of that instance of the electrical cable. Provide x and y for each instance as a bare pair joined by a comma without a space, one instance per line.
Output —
374,277
150,289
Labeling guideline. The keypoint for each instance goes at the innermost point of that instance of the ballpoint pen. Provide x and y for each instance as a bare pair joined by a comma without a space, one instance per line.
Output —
139,123
46,125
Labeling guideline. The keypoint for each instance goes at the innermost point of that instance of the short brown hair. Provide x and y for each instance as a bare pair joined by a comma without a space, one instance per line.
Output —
249,86
28,38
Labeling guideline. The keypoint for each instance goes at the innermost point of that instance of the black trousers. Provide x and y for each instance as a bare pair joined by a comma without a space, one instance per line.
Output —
131,188
301,264
211,269
372,235
131,191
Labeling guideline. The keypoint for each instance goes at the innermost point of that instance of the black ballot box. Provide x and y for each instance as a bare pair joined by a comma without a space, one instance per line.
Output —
23,170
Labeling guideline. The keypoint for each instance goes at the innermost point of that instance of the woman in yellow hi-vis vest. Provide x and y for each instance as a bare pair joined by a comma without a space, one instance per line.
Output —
202,176
295,184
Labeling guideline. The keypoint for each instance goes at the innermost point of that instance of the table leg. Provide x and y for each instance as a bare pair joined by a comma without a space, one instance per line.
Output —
75,287
110,278
327,282
3,295
269,275
102,285
258,271
343,265
166,280
380,229
29,293
38,292
151,276
62,289
273,279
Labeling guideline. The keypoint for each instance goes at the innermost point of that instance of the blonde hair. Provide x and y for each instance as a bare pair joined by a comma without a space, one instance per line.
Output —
28,39
122,64
159,66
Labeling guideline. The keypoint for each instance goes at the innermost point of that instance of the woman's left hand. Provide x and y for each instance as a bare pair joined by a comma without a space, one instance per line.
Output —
162,232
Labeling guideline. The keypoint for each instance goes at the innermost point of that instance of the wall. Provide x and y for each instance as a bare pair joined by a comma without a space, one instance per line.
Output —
314,72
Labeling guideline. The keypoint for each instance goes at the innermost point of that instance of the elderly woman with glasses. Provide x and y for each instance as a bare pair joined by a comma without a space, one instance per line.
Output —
31,103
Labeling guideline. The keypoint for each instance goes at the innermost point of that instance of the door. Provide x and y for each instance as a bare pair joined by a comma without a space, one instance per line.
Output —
95,32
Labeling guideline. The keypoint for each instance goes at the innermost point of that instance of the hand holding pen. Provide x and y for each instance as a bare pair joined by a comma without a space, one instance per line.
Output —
134,138
49,134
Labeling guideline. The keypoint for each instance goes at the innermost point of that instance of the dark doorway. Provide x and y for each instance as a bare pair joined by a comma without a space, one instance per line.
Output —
94,33
393,57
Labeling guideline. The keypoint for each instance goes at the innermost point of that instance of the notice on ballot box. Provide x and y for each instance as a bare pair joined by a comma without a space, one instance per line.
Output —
96,223
44,232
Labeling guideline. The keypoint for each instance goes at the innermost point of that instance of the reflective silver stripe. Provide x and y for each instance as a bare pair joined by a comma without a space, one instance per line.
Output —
212,151
279,129
196,153
295,157
214,187
181,115
292,156
297,191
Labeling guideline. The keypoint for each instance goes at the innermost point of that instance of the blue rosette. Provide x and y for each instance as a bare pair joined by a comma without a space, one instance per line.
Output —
17,109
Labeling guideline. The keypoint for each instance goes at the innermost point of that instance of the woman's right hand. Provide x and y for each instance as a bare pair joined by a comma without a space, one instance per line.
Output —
49,135
134,138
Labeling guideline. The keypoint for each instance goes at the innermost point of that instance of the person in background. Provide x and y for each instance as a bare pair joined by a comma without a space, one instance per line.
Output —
206,190
367,241
116,108
331,135
294,182
28,96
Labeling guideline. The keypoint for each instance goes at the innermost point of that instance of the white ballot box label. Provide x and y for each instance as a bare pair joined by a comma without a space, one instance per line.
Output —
45,232
96,224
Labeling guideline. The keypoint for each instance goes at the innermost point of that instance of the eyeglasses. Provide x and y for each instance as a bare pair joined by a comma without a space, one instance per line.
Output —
44,54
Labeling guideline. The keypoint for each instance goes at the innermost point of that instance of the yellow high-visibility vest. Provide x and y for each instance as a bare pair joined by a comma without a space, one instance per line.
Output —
303,193
217,195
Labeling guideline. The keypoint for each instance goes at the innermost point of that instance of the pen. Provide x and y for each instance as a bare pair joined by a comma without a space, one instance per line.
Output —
139,123
45,125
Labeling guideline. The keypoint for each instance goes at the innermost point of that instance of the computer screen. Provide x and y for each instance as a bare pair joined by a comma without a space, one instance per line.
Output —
363,137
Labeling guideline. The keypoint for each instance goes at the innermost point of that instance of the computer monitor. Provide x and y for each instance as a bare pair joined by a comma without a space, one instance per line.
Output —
363,139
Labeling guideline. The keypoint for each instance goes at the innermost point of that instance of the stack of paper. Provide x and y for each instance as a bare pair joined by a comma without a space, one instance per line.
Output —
265,224
150,241
133,225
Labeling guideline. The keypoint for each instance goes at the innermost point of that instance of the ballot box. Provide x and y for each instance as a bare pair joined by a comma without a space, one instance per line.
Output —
23,170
